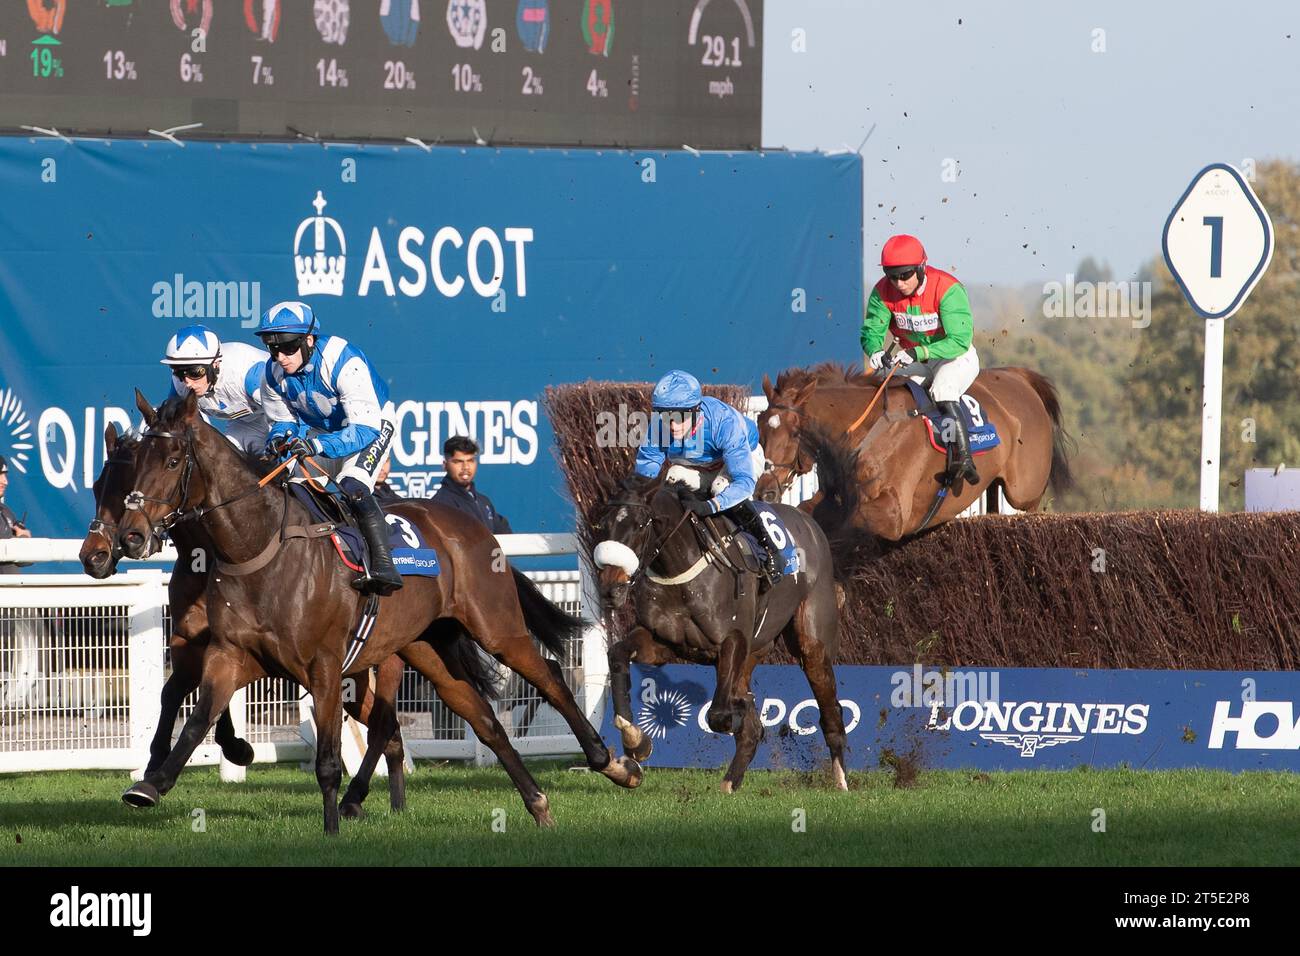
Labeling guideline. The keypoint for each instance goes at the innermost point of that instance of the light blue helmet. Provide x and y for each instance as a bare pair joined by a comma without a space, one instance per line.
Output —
677,390
288,319
192,345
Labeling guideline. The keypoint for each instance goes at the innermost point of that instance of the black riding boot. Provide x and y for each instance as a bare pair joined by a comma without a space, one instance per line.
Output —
961,465
752,521
380,576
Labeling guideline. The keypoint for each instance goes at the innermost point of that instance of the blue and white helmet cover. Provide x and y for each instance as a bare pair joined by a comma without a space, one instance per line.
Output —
291,318
192,345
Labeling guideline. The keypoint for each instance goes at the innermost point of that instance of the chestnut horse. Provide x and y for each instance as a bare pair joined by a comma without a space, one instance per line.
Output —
187,597
899,470
280,603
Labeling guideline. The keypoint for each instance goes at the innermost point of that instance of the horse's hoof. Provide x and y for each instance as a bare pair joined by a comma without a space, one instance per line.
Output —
142,796
352,811
642,753
636,743
239,752
625,772
726,787
541,811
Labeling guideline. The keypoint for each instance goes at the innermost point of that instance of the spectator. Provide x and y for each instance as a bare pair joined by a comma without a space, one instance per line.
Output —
460,457
10,526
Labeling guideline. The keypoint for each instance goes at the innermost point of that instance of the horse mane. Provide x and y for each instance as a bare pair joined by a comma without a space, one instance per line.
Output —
824,373
172,413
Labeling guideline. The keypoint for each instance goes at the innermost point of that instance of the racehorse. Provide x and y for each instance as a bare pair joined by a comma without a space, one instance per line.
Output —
280,603
901,491
692,600
187,596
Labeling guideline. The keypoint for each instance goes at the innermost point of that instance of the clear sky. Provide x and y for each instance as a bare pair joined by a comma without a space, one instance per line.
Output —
1062,152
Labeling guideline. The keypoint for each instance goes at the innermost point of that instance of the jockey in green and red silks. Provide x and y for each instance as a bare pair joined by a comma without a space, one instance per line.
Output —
929,315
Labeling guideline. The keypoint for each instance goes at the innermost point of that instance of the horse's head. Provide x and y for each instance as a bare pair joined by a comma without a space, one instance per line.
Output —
779,429
635,524
167,481
100,551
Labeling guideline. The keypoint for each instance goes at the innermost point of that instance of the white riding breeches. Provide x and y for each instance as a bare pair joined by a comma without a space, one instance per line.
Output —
946,379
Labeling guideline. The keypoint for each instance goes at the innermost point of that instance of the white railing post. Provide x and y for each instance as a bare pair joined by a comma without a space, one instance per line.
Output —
146,644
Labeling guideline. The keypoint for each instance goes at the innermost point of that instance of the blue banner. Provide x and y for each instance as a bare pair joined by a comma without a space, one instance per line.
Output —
987,719
472,278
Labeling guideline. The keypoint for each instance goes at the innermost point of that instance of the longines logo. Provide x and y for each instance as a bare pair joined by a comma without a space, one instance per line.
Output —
1031,726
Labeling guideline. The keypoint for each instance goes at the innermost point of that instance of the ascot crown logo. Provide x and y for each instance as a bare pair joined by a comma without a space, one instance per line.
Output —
319,274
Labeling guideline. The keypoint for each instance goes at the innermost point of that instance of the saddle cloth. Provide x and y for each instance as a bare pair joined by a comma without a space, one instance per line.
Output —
787,549
412,555
982,433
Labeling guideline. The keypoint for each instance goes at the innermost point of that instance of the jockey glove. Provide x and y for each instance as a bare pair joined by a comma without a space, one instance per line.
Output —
699,507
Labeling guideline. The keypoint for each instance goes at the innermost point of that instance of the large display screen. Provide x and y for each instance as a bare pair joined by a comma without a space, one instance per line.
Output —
637,73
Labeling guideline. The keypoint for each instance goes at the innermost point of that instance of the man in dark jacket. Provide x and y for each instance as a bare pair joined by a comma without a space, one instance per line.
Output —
10,526
460,456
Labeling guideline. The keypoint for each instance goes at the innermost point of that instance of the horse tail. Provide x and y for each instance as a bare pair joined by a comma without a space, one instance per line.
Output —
551,625
836,514
1059,478
482,676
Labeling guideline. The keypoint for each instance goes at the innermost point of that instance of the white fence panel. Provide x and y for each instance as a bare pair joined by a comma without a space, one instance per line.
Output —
82,664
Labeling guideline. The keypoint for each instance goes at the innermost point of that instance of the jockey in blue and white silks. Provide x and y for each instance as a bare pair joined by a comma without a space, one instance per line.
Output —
323,398
227,379
702,435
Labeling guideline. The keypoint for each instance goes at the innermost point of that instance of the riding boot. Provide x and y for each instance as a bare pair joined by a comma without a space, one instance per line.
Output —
961,466
380,576
752,521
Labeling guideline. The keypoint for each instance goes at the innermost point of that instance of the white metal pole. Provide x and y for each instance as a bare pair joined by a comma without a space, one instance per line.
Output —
1211,418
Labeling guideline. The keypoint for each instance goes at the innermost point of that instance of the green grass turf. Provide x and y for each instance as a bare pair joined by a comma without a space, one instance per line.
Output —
676,817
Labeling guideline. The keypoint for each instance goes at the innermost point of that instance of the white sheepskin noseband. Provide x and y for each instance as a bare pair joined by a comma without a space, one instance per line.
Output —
613,554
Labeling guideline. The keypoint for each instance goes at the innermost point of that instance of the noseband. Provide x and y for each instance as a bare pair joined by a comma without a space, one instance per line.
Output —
136,499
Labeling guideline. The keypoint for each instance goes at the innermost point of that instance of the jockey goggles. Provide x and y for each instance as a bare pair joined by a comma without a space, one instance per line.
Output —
191,372
284,344
901,273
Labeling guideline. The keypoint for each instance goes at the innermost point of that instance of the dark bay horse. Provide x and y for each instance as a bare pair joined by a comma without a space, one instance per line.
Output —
187,597
897,467
280,603
687,604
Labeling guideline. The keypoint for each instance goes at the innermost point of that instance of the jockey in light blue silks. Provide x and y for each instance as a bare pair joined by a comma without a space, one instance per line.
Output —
323,398
708,438
226,378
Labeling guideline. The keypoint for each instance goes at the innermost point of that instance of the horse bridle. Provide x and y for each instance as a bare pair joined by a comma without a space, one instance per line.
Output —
643,564
102,528
135,499
794,468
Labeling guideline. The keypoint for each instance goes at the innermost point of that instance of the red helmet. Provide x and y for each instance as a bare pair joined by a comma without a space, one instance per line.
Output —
902,251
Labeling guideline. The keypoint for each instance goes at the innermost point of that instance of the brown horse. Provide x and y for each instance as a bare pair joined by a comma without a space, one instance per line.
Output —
280,603
899,470
187,597
692,601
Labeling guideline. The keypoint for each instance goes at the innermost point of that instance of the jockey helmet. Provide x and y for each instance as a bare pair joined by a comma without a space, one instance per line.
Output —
287,322
901,253
677,390
194,346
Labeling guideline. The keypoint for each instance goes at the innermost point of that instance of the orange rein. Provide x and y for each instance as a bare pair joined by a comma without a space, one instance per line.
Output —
880,391
263,482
